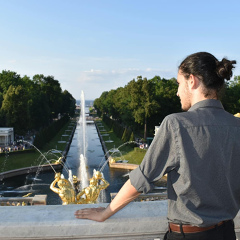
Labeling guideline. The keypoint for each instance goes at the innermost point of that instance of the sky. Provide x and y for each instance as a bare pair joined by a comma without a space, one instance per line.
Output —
100,45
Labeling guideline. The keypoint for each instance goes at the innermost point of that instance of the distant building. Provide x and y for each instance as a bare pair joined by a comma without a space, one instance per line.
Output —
6,136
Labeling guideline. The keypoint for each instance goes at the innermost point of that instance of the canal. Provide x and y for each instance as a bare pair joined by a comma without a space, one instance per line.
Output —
40,183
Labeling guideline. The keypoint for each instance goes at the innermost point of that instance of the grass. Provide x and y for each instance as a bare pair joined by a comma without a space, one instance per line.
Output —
28,158
127,151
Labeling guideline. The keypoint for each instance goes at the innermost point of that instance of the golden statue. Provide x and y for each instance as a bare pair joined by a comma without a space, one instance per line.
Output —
93,190
65,191
27,195
59,161
76,184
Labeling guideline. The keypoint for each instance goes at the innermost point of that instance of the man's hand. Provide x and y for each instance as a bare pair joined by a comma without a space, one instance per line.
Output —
126,194
95,214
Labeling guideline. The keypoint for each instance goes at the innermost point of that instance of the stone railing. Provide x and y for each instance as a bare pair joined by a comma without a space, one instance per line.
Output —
23,201
138,220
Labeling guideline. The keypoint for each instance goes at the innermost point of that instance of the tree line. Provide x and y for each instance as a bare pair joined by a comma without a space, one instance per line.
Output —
31,104
143,103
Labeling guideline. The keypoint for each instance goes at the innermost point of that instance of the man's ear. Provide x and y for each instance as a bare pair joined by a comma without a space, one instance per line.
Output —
193,82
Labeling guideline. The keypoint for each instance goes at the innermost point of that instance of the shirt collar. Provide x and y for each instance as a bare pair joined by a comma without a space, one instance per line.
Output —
208,103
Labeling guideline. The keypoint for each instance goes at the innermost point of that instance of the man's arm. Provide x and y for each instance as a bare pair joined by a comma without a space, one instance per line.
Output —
126,194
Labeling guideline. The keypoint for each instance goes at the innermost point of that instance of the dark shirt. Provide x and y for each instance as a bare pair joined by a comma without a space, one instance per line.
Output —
200,151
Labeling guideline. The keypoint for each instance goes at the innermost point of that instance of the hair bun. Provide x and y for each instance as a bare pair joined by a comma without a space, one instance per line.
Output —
224,68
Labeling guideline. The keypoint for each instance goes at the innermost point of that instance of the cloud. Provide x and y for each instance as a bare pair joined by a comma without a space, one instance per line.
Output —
12,61
92,75
95,81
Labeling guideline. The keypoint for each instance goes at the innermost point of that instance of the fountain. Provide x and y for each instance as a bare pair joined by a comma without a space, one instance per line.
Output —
83,139
79,163
67,191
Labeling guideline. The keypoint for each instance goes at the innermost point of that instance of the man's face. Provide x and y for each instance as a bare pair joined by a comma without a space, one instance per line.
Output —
183,92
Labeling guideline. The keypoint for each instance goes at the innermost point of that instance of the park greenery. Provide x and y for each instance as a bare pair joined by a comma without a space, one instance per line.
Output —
127,149
127,112
30,104
143,103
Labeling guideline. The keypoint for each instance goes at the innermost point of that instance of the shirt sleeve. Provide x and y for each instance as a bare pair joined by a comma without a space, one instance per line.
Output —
161,157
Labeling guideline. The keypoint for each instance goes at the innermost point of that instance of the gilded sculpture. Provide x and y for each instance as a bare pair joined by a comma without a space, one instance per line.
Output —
67,191
93,190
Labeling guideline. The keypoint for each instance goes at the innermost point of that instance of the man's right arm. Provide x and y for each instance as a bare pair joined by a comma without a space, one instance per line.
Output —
126,194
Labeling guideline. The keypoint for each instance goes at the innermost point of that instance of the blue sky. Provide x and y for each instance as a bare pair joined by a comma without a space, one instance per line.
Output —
99,45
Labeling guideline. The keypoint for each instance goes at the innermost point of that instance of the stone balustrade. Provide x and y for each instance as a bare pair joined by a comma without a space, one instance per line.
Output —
138,220
21,201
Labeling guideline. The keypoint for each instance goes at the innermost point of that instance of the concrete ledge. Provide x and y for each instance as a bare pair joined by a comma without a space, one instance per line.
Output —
136,221
144,220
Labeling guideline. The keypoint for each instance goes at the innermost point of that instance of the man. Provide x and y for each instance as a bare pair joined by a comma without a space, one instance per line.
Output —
199,150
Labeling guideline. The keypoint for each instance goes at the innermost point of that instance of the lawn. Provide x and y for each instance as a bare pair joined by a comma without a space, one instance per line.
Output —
126,150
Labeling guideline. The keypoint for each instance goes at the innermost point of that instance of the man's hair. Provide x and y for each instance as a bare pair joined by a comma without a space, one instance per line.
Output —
211,72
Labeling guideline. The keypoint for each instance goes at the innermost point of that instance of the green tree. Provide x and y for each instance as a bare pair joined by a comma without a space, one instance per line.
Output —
231,96
121,103
16,110
40,114
68,104
142,102
97,106
166,96
53,91
100,103
7,79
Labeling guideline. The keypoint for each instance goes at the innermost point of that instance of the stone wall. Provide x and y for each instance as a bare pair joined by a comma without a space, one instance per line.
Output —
138,220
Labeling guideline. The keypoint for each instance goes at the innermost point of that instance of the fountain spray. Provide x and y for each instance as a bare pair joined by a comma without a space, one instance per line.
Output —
83,159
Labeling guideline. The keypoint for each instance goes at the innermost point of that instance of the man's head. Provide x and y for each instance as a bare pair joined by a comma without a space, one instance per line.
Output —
201,73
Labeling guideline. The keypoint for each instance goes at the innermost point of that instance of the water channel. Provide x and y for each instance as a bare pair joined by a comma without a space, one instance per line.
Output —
21,185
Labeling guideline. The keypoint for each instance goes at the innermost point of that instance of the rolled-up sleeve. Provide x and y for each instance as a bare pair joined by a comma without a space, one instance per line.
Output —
161,157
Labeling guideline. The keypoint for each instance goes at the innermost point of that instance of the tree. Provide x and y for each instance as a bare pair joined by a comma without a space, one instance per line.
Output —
231,97
142,102
53,91
16,110
40,114
166,96
68,104
97,106
7,79
121,103
100,103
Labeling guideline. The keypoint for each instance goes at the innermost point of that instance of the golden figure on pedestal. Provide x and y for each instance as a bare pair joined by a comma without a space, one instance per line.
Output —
65,189
68,194
93,190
